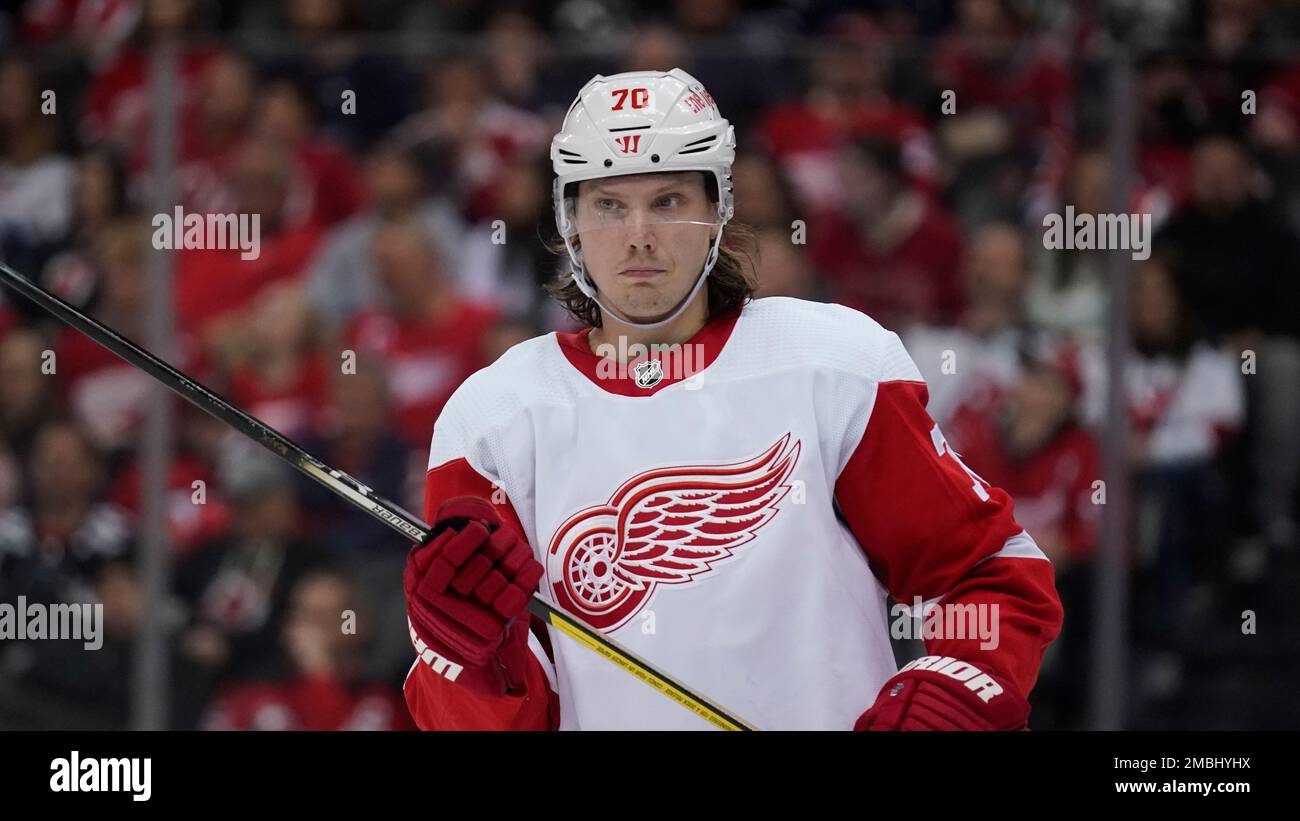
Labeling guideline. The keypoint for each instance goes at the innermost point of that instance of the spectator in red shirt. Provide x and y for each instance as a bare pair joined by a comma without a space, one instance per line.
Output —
8,319
891,252
429,339
282,380
197,513
211,132
847,98
324,687
107,395
328,184
472,131
1277,125
1013,91
194,512
1029,441
93,27
117,106
214,284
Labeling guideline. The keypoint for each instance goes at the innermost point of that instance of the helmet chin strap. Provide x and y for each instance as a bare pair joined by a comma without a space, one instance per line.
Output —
589,290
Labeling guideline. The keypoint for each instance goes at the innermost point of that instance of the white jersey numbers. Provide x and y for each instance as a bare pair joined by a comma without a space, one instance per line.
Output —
942,447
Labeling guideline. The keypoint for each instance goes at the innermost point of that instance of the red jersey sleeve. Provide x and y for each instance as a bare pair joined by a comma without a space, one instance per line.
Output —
931,528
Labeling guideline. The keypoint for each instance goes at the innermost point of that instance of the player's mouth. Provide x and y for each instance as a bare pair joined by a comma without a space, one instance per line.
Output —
641,273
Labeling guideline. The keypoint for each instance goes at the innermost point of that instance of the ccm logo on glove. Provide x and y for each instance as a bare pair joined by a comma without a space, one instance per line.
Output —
443,667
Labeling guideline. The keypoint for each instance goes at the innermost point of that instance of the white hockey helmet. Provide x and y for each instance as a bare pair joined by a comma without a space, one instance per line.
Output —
641,122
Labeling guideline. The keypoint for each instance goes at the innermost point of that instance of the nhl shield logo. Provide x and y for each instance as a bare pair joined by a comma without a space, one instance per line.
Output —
648,373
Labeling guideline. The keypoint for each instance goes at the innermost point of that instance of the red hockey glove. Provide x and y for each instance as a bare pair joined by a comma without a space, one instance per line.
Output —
943,693
465,591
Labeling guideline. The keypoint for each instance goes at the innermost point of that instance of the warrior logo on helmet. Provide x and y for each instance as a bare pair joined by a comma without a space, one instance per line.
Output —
629,143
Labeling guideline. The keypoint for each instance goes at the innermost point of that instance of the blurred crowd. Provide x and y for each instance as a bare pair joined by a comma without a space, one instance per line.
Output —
897,157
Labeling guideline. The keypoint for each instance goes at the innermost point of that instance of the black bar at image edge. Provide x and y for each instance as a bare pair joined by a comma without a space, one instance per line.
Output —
247,770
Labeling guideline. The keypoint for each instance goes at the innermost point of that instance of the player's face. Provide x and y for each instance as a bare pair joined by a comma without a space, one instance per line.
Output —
644,239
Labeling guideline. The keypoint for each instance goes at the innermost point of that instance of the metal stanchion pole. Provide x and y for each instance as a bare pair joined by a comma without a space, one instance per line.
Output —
151,669
1110,644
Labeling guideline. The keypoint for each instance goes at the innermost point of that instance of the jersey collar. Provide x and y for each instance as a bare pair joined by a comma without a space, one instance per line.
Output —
654,370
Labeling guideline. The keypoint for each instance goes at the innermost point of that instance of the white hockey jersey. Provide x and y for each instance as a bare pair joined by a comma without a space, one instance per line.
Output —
734,512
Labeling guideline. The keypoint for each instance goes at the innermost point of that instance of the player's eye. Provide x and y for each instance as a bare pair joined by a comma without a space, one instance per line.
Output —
669,201
606,204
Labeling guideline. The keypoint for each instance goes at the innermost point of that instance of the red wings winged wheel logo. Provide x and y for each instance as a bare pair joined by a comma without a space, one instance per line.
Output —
663,526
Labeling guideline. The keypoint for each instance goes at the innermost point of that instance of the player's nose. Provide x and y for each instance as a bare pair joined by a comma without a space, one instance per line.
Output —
641,232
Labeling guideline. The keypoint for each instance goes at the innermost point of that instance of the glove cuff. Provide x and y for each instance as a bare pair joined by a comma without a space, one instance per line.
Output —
466,508
945,693
498,673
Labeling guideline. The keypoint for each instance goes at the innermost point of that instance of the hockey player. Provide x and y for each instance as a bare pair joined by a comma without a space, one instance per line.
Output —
733,509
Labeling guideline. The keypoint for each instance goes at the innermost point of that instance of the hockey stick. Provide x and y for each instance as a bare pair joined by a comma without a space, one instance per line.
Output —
356,493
